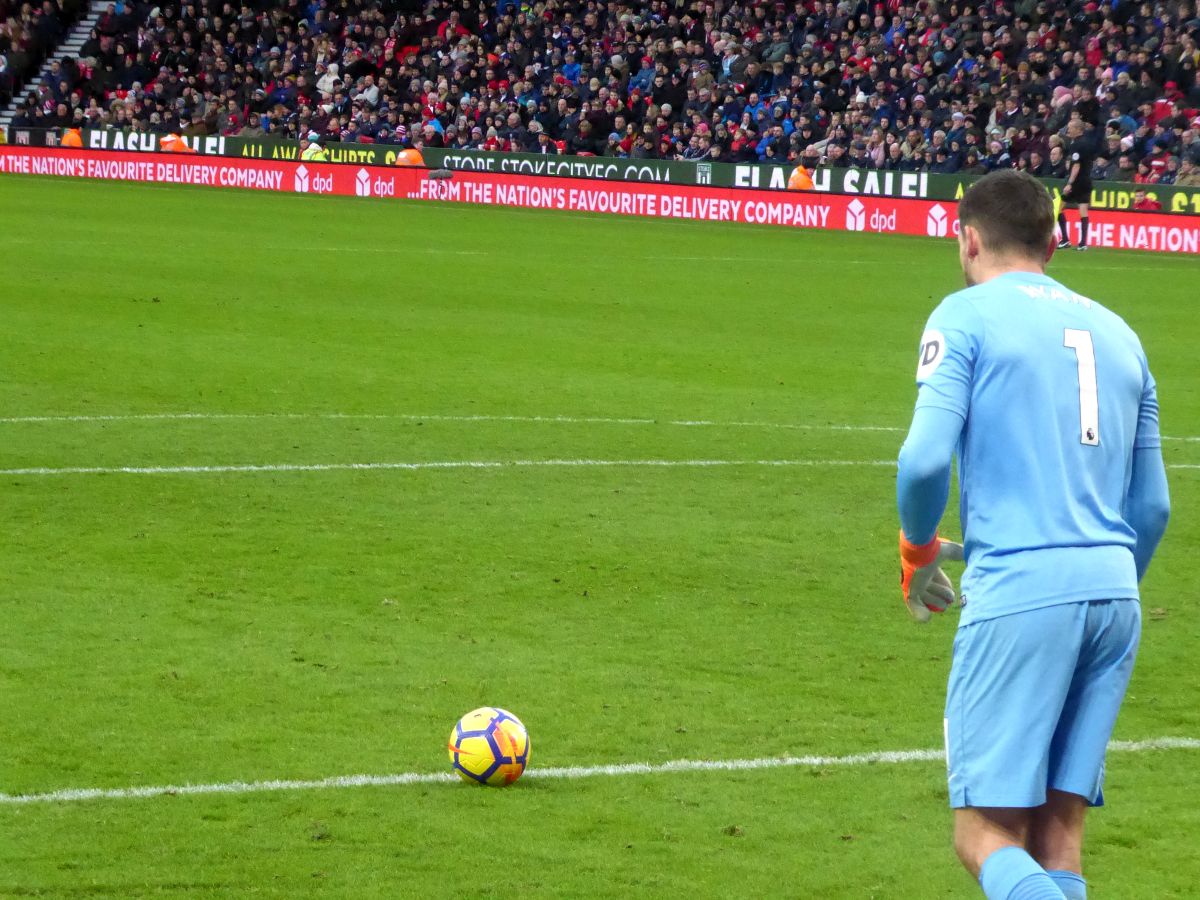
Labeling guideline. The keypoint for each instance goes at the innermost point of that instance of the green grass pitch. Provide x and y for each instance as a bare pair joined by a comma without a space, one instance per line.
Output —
233,626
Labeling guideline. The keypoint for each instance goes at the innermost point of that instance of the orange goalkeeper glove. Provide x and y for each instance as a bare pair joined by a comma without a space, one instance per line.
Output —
926,588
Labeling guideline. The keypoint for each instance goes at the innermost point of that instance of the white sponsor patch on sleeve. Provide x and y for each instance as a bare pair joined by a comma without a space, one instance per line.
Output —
933,351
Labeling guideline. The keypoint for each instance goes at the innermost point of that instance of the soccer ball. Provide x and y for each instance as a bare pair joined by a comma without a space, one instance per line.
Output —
489,745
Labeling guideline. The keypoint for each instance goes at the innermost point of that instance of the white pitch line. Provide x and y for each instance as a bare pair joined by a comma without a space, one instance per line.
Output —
447,464
404,417
413,417
459,464
884,757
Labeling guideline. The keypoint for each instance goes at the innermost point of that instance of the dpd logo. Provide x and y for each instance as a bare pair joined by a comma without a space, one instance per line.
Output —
380,187
318,185
881,221
937,221
933,351
856,218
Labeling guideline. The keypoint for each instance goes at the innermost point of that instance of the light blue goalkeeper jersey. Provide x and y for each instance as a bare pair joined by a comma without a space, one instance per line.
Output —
1056,394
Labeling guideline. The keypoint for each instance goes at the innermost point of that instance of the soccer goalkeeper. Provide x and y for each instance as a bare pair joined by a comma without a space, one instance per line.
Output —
1046,398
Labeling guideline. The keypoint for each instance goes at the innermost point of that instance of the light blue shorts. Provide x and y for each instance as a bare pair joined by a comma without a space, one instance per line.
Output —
1032,701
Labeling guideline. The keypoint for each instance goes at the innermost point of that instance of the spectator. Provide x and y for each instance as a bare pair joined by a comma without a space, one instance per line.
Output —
1121,122
974,165
643,147
1190,143
311,149
1126,168
1171,174
1143,203
253,127
6,80
943,162
1038,141
1145,175
1189,175
1104,169
1056,165
583,141
997,157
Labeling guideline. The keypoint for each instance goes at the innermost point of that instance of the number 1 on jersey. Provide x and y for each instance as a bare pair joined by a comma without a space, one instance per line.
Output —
1089,405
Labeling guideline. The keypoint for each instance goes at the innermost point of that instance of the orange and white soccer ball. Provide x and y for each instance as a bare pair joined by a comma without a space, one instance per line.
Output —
489,745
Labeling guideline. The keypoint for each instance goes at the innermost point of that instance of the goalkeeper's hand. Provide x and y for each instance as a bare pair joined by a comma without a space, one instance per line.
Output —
926,588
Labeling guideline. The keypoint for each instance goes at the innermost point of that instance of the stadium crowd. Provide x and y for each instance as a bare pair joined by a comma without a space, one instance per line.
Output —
28,32
908,85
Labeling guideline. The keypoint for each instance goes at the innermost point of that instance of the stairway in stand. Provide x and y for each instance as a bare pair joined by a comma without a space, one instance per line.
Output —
68,49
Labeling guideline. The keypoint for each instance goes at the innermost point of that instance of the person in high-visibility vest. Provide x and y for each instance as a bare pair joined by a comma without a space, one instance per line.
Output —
410,157
800,180
173,143
311,150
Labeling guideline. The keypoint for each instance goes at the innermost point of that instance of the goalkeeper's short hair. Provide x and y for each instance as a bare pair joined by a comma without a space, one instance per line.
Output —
1012,211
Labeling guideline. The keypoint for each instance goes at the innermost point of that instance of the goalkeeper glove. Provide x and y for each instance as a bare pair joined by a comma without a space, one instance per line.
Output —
926,588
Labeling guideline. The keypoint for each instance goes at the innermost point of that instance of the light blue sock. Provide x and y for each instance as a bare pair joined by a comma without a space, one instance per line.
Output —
1073,886
1012,874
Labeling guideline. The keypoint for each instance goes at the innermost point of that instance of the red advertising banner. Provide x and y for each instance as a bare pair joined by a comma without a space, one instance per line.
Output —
884,215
